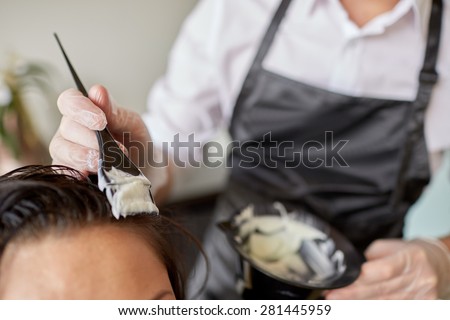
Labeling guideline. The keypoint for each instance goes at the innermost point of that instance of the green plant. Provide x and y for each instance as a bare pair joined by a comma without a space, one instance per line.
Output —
17,131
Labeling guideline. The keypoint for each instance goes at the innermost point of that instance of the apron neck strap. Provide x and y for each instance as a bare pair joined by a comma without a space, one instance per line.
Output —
270,33
427,79
428,75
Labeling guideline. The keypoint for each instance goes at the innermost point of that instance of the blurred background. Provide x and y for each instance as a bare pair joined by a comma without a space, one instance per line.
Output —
123,45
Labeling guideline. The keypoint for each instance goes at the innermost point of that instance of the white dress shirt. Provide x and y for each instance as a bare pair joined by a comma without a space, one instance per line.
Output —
316,44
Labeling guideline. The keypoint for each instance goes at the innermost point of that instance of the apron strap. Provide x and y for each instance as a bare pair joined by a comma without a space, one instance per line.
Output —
263,49
427,79
270,33
428,75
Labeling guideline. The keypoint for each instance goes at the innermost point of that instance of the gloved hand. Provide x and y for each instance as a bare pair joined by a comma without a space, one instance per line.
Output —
397,269
75,143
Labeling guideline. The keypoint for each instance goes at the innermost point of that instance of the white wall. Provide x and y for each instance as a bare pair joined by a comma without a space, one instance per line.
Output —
430,216
121,44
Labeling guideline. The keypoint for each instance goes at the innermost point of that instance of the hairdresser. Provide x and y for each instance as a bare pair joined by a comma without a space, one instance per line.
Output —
373,73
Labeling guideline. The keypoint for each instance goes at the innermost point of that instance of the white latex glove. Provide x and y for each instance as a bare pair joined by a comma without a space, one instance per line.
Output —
397,269
75,143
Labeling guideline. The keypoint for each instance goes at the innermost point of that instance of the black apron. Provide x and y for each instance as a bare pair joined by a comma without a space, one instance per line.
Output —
358,163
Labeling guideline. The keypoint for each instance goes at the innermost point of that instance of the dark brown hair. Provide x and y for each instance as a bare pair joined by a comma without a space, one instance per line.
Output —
38,199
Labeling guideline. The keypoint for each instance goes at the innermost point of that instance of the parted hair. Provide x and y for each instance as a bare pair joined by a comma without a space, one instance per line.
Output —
35,200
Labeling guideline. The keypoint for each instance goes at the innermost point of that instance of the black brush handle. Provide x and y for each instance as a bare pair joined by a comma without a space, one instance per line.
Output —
92,177
72,70
109,151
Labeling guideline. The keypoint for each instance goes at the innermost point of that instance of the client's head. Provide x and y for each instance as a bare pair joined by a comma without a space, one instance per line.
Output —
59,240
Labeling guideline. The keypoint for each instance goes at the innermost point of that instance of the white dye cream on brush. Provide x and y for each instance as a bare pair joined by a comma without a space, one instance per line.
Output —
127,194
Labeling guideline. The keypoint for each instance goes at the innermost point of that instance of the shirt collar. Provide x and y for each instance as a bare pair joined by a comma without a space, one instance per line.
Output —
402,8
418,8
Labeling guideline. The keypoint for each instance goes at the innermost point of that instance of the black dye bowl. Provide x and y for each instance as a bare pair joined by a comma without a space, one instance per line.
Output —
260,283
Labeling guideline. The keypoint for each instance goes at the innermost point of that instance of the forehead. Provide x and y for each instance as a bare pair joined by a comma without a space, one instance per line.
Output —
102,262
